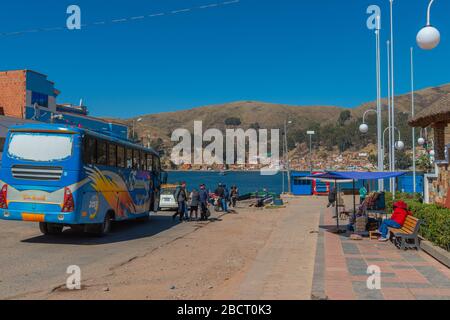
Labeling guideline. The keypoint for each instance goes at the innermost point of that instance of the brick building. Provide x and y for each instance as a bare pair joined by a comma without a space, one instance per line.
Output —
21,88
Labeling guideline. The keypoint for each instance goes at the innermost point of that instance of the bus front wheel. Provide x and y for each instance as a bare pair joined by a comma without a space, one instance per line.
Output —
49,228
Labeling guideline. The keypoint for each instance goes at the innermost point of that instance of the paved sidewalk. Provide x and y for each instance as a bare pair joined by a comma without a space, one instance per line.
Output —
341,269
284,268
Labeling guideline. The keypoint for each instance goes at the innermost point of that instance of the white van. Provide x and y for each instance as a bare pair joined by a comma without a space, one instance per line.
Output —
167,199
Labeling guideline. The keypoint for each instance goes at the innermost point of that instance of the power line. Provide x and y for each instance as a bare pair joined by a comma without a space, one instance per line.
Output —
126,19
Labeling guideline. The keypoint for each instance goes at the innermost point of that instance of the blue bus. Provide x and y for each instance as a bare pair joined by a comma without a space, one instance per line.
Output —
62,176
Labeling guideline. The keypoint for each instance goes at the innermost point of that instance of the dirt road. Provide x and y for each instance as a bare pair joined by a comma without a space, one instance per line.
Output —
251,254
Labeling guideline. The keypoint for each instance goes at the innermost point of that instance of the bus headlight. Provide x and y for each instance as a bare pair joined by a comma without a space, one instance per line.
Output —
60,217
6,214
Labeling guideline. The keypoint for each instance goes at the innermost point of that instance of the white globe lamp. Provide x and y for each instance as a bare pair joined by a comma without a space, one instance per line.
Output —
399,145
364,128
421,141
428,38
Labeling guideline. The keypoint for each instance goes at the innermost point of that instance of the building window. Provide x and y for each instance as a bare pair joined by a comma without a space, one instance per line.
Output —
40,99
301,182
2,143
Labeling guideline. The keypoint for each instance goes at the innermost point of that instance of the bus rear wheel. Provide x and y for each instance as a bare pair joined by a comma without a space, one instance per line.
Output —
50,228
101,229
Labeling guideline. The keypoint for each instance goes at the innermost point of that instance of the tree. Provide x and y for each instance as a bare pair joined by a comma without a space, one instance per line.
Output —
344,117
233,121
403,161
423,163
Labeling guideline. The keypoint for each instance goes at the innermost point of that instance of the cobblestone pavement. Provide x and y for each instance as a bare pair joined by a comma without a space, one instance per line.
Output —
341,269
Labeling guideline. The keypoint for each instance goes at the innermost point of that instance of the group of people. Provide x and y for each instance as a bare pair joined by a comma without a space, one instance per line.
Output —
226,198
396,221
189,204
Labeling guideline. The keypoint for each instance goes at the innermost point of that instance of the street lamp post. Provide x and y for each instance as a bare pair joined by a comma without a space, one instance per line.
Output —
389,104
399,144
310,134
392,89
374,23
133,127
428,37
379,118
288,167
364,128
412,115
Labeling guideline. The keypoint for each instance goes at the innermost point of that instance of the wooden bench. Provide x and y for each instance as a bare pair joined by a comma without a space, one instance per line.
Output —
407,237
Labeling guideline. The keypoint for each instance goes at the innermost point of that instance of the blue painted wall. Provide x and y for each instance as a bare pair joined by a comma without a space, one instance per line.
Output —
38,83
404,184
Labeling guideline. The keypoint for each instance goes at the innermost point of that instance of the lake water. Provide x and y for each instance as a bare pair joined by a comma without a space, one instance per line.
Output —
253,181
246,181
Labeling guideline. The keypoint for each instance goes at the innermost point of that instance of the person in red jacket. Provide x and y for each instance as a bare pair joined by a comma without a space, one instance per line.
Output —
396,221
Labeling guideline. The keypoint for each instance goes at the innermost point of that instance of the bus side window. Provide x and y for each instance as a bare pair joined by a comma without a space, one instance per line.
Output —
112,155
129,158
156,165
89,150
135,159
120,157
149,162
142,164
2,144
101,152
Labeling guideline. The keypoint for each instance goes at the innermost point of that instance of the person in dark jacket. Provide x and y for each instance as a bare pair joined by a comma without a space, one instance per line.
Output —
220,193
204,200
234,195
225,199
195,202
181,198
332,197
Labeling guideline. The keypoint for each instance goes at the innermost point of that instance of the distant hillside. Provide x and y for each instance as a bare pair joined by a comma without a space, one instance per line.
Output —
335,126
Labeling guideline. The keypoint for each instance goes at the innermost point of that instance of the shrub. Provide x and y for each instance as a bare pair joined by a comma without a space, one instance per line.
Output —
435,219
233,121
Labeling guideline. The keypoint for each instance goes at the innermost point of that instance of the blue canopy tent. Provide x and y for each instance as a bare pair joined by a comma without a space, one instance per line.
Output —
353,176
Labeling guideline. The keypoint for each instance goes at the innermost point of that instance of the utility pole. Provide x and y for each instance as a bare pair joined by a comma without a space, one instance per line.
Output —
288,167
310,134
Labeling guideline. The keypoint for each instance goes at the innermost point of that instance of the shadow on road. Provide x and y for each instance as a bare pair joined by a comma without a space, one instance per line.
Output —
121,231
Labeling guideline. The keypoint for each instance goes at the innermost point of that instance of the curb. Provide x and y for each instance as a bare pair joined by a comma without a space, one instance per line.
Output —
436,252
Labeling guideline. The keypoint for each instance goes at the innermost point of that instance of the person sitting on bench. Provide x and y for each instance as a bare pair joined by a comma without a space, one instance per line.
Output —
396,221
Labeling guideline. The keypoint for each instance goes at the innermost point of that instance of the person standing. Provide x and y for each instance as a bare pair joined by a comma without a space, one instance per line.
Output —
195,201
181,197
362,194
332,196
226,199
234,195
220,193
204,200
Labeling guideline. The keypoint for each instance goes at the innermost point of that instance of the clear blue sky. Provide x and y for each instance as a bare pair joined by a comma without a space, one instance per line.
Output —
316,52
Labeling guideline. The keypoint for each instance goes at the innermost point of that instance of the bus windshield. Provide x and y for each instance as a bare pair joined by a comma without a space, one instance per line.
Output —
40,147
